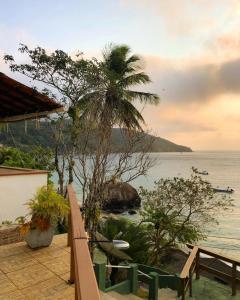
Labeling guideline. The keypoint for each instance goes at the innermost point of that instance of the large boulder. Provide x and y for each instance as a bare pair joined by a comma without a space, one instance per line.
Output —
119,197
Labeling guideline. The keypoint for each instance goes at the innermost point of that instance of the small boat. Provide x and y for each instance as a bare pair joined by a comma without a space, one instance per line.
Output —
195,170
202,172
227,190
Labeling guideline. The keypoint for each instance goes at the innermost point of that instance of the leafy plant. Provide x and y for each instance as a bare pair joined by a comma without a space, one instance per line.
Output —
35,158
6,223
99,95
124,229
179,211
46,208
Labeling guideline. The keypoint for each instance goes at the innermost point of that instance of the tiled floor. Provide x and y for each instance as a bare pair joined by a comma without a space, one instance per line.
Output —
40,274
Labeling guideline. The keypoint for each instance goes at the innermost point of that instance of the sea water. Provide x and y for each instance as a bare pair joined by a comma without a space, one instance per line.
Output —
224,171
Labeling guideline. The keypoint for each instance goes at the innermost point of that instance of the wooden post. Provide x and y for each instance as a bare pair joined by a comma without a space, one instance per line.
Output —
234,274
81,269
76,294
72,267
190,282
153,286
100,273
133,277
198,265
183,288
69,241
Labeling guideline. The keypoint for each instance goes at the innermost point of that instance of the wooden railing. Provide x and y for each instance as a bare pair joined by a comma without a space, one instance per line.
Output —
193,264
81,268
187,273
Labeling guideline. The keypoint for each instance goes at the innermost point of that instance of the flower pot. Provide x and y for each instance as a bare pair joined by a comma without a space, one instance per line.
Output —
36,238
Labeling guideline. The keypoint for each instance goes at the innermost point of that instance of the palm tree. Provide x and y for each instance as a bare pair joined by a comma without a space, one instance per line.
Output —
124,71
110,103
127,230
113,104
124,229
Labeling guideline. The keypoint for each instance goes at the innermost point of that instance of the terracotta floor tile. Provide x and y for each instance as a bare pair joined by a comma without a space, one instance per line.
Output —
65,276
60,239
40,274
16,262
54,288
30,276
59,265
6,286
49,255
16,295
13,249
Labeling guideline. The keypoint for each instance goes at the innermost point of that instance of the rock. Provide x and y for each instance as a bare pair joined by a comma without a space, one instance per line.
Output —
132,212
116,211
120,197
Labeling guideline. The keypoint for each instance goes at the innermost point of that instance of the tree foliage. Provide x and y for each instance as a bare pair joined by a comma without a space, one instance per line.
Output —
34,158
67,79
93,90
123,74
178,211
124,229
99,95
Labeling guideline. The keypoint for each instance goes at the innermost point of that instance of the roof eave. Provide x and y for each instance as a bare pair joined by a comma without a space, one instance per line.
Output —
30,116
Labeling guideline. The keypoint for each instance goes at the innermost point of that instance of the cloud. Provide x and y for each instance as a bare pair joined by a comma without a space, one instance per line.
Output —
182,124
214,125
197,83
10,38
199,99
185,17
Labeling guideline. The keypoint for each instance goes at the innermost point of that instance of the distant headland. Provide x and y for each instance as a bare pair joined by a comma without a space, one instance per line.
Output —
17,135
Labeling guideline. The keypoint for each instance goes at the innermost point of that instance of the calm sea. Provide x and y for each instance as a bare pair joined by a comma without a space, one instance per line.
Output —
224,171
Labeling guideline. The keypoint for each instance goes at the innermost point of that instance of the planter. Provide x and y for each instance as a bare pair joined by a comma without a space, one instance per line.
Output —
36,238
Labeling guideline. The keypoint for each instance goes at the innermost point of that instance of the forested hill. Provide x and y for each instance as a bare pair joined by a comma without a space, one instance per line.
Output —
19,136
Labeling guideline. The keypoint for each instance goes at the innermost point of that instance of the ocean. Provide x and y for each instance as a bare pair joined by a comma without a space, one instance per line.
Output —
224,171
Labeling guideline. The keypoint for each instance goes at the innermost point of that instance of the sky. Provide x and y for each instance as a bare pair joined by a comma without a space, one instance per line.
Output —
189,48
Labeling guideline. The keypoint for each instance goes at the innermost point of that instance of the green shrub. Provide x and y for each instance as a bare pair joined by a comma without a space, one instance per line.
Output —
46,209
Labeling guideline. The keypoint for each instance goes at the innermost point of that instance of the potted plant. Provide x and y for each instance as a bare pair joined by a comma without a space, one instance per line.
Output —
46,208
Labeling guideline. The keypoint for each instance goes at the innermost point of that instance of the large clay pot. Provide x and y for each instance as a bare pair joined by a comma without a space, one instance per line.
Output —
36,238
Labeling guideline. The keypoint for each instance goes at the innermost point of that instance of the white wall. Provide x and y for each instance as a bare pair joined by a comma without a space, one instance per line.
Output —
15,191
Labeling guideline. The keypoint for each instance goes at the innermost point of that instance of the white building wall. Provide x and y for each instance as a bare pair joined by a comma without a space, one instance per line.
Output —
15,191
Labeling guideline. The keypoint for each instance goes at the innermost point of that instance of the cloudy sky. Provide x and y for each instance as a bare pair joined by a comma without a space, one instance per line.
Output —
190,48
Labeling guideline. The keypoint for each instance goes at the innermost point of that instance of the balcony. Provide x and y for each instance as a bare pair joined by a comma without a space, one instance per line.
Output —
44,273
39,274
27,274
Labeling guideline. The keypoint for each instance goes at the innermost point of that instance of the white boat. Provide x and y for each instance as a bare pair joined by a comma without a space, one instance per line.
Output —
204,172
221,190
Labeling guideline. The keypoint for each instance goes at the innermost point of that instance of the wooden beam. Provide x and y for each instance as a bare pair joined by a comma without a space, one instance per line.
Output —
234,279
15,96
82,272
216,255
189,263
221,275
29,116
19,99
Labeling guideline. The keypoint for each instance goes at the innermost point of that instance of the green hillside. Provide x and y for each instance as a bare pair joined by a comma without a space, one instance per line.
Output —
17,136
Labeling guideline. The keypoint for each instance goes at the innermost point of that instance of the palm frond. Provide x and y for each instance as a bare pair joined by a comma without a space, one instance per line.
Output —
116,58
129,116
133,59
143,97
135,79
